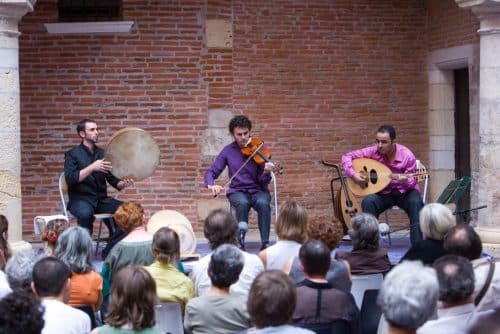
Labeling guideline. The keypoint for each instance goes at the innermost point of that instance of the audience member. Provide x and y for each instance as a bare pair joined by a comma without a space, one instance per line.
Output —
330,232
135,248
52,284
19,270
218,311
435,221
462,240
366,257
456,285
132,303
487,323
271,302
50,235
220,228
320,303
21,312
5,254
171,284
74,248
408,296
291,231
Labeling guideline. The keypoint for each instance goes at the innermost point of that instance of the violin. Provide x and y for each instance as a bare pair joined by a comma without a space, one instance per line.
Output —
255,149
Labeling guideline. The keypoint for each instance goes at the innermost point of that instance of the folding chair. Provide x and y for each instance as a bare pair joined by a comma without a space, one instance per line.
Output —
169,318
63,192
360,283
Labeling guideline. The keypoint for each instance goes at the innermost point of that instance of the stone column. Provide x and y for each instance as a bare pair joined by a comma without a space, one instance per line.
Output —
11,12
488,13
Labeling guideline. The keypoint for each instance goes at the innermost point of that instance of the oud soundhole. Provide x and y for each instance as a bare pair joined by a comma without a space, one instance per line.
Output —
373,176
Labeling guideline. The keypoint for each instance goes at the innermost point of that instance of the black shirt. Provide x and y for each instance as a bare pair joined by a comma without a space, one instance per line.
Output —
93,188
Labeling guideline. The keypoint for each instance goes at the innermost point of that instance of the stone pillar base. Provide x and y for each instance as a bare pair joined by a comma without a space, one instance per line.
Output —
20,246
490,236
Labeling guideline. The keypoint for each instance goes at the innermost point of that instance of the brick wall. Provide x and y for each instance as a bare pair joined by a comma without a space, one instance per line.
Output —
316,78
448,25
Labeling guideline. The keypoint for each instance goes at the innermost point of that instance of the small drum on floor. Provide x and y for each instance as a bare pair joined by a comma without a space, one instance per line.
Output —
133,153
180,224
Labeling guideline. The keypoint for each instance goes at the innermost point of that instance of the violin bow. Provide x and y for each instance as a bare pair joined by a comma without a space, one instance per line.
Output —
243,165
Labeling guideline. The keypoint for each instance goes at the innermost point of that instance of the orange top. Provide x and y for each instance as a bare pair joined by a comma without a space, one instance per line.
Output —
86,289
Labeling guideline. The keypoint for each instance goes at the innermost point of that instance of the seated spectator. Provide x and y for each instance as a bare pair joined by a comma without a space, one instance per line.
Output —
19,270
53,230
52,284
134,248
271,303
462,240
408,296
171,284
366,257
21,312
320,303
132,303
74,248
218,311
456,285
220,228
330,232
487,323
5,254
291,231
435,221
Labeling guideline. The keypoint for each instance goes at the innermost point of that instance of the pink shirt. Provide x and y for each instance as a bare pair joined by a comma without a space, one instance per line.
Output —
404,162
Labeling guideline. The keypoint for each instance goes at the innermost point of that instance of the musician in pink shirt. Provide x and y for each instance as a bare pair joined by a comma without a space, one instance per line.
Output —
403,190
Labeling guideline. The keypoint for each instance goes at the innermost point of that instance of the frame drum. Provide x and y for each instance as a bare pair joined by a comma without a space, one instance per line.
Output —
133,153
180,224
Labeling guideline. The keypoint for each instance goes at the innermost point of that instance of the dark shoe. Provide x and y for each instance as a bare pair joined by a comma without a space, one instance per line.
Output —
264,245
241,239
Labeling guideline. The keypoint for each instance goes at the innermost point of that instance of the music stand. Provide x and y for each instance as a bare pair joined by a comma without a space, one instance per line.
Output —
452,194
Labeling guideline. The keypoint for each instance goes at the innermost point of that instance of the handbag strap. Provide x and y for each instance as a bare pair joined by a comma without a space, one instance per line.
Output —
486,284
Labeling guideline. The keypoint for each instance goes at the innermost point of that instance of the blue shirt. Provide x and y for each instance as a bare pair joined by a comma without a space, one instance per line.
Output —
251,179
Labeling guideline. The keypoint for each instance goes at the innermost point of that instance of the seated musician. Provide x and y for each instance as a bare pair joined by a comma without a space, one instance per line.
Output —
249,186
402,191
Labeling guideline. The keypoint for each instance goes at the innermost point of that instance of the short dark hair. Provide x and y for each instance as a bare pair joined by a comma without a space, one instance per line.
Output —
315,257
166,245
21,312
49,276
226,264
272,299
456,278
239,121
81,125
219,228
388,129
133,298
462,240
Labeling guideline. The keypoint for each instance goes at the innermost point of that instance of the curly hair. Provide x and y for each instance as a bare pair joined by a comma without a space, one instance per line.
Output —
133,298
166,245
129,215
291,222
21,312
325,229
239,121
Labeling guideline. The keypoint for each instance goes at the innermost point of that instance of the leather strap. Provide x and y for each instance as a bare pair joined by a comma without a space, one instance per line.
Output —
487,283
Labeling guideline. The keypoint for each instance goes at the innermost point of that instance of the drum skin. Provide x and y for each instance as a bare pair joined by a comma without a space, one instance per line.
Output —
133,153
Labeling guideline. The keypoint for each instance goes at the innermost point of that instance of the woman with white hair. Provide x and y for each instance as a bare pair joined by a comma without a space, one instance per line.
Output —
74,248
435,221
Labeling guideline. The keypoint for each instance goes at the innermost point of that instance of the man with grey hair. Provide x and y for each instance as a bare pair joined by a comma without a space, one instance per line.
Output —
218,311
456,285
408,296
19,269
366,257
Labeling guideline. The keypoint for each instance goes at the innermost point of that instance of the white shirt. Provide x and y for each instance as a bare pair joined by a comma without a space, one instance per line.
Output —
64,319
252,267
280,253
452,320
4,285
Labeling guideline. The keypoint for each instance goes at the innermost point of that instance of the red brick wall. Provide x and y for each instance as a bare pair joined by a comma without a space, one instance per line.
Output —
448,25
316,78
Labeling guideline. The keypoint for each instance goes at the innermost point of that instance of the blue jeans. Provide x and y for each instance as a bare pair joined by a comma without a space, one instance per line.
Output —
410,202
243,202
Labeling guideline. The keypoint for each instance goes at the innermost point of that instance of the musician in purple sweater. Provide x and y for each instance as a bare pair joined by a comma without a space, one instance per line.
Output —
249,185
403,190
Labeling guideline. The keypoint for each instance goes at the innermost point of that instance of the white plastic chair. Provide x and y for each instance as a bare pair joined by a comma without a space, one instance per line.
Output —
422,178
63,192
169,318
360,283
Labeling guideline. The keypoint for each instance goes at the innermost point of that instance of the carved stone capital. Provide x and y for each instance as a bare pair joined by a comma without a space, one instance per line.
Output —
11,12
488,13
